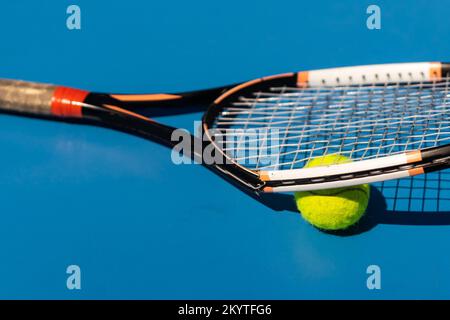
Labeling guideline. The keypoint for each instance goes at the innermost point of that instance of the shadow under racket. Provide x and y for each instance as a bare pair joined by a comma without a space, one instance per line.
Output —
420,200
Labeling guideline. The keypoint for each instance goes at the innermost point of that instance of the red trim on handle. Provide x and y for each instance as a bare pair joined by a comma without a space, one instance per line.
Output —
66,102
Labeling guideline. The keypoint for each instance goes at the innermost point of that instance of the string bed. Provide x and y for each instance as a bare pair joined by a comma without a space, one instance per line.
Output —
283,128
428,193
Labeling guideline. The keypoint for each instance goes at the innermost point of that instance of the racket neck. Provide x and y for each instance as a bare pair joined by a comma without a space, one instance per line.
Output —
159,104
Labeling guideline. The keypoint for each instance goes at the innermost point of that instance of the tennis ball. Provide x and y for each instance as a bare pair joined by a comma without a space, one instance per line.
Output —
332,209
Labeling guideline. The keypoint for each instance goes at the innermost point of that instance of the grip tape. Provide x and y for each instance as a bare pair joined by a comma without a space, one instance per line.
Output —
40,99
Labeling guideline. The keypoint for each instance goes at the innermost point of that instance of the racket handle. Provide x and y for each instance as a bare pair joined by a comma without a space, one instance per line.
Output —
41,99
26,97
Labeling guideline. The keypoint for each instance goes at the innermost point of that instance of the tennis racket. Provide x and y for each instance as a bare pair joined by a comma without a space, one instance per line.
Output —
392,120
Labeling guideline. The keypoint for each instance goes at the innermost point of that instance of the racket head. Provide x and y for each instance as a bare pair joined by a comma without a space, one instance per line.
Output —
392,120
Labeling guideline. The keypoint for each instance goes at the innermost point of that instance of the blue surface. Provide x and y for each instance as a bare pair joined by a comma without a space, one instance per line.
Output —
109,202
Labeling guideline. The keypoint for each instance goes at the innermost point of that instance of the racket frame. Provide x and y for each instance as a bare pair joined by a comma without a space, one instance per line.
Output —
121,111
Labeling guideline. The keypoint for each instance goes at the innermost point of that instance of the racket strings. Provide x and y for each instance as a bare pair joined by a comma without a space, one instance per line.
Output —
423,193
283,128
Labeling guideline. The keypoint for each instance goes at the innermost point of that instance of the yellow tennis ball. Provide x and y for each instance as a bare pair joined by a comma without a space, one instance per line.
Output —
332,209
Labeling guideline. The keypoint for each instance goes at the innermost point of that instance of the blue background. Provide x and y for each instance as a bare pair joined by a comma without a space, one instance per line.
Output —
113,204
